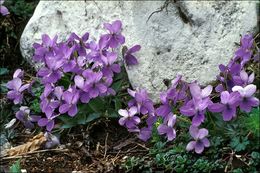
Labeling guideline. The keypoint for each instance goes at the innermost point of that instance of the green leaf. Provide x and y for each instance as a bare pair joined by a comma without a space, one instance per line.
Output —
255,155
84,115
92,117
118,104
68,121
97,105
22,9
3,88
15,168
72,121
64,118
81,118
239,144
117,85
68,125
65,81
120,76
35,106
37,89
252,122
112,113
3,71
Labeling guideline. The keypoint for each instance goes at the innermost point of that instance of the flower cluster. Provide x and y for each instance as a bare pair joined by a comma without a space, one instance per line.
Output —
74,72
3,10
233,74
78,70
16,87
176,93
139,108
196,107
235,89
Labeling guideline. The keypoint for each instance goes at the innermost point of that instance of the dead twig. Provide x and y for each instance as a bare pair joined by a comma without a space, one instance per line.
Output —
142,146
2,160
106,146
116,157
124,143
229,161
33,152
164,6
126,152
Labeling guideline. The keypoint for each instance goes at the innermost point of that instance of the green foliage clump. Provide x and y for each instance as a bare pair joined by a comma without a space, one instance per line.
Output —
239,143
21,8
15,168
252,122
231,143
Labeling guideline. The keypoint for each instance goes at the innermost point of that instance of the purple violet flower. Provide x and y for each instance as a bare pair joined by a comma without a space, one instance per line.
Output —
48,122
80,83
229,76
16,87
200,140
171,96
247,79
44,49
109,65
18,73
52,140
128,118
245,52
167,128
82,45
115,37
129,58
97,51
71,97
229,102
93,84
166,107
145,133
3,10
197,106
24,116
142,105
50,99
48,42
51,73
247,100
68,63
142,101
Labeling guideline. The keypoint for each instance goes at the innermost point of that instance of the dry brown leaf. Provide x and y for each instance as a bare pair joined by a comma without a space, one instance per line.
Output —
32,145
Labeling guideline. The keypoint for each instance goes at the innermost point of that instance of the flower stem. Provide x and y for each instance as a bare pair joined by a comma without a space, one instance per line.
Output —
183,119
212,120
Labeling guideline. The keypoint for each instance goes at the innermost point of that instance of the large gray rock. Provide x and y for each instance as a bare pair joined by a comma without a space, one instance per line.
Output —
189,38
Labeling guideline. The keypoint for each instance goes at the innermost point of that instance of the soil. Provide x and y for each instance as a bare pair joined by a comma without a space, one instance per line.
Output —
98,147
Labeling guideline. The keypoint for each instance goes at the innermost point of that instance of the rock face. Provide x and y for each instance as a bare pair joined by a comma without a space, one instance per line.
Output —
189,38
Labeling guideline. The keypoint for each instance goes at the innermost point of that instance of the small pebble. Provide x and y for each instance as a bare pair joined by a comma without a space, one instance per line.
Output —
23,171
